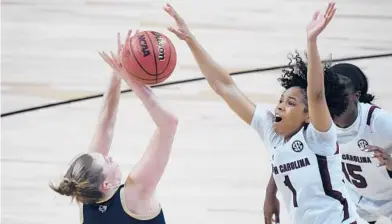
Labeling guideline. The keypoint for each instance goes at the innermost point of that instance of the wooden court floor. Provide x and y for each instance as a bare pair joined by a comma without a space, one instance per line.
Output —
219,167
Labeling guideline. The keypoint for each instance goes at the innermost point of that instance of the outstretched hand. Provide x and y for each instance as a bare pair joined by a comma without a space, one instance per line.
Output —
114,61
319,22
384,158
182,31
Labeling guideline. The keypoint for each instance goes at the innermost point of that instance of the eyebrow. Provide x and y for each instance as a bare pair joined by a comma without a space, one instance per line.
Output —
290,97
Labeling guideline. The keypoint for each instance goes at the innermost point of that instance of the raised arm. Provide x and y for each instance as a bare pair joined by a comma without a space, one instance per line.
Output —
149,169
218,78
320,116
271,203
102,138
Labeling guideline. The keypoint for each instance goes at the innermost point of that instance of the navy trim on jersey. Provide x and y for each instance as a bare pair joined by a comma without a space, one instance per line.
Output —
370,113
112,211
337,148
327,185
369,118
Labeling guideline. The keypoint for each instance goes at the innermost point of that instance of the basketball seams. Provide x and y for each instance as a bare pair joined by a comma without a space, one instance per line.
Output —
141,73
155,57
168,61
150,81
138,62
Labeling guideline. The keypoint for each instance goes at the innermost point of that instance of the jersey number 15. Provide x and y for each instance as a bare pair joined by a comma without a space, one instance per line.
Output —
353,171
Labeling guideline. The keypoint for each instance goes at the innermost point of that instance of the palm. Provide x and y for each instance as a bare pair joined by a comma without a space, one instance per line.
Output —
316,26
114,60
319,22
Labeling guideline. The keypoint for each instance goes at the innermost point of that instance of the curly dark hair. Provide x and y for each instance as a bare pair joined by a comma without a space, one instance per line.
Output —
296,76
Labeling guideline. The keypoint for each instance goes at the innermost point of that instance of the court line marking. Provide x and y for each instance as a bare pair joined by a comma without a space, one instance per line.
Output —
184,81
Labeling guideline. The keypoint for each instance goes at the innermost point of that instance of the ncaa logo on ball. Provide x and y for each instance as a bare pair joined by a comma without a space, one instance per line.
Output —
362,143
297,146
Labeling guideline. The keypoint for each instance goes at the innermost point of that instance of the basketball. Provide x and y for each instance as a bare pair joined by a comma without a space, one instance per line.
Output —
151,57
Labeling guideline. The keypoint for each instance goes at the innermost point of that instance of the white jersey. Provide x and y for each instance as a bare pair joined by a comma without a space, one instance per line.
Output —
311,184
360,169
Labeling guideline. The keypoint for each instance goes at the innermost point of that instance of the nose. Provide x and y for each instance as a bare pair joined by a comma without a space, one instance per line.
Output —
280,106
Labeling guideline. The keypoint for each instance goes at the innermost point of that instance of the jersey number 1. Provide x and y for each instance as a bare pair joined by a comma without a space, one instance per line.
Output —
356,178
287,182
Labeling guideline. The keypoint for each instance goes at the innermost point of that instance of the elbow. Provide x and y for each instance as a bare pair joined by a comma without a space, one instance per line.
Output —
171,124
174,122
216,87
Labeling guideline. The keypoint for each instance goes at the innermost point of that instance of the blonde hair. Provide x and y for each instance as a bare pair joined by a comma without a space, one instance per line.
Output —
82,181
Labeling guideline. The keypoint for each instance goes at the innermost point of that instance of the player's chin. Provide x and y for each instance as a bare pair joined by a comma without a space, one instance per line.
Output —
278,127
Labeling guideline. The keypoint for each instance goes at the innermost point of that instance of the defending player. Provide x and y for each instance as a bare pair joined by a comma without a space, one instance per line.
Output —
300,134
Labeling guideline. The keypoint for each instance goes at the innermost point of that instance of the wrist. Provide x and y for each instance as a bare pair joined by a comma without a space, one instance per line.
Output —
272,192
312,40
191,40
116,76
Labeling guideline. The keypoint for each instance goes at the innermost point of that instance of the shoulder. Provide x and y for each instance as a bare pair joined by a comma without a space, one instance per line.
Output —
262,116
381,126
313,134
262,122
133,202
322,143
379,116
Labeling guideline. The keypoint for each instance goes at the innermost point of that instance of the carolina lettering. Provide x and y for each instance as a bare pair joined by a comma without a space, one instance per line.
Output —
291,166
358,159
143,45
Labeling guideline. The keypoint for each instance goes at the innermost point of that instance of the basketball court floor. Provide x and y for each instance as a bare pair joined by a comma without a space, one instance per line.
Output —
219,169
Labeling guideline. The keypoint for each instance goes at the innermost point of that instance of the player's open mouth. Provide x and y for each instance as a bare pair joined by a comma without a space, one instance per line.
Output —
277,118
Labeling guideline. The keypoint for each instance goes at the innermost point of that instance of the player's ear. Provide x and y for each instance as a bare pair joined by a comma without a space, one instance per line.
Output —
307,120
105,186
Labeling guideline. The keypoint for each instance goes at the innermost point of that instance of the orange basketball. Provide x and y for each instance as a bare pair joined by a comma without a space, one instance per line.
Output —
151,57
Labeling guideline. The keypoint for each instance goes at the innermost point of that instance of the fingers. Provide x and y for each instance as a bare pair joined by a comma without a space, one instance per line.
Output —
328,9
316,15
106,58
379,154
128,39
267,220
370,148
110,60
128,35
330,12
271,218
277,218
118,40
115,60
178,33
119,44
172,12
